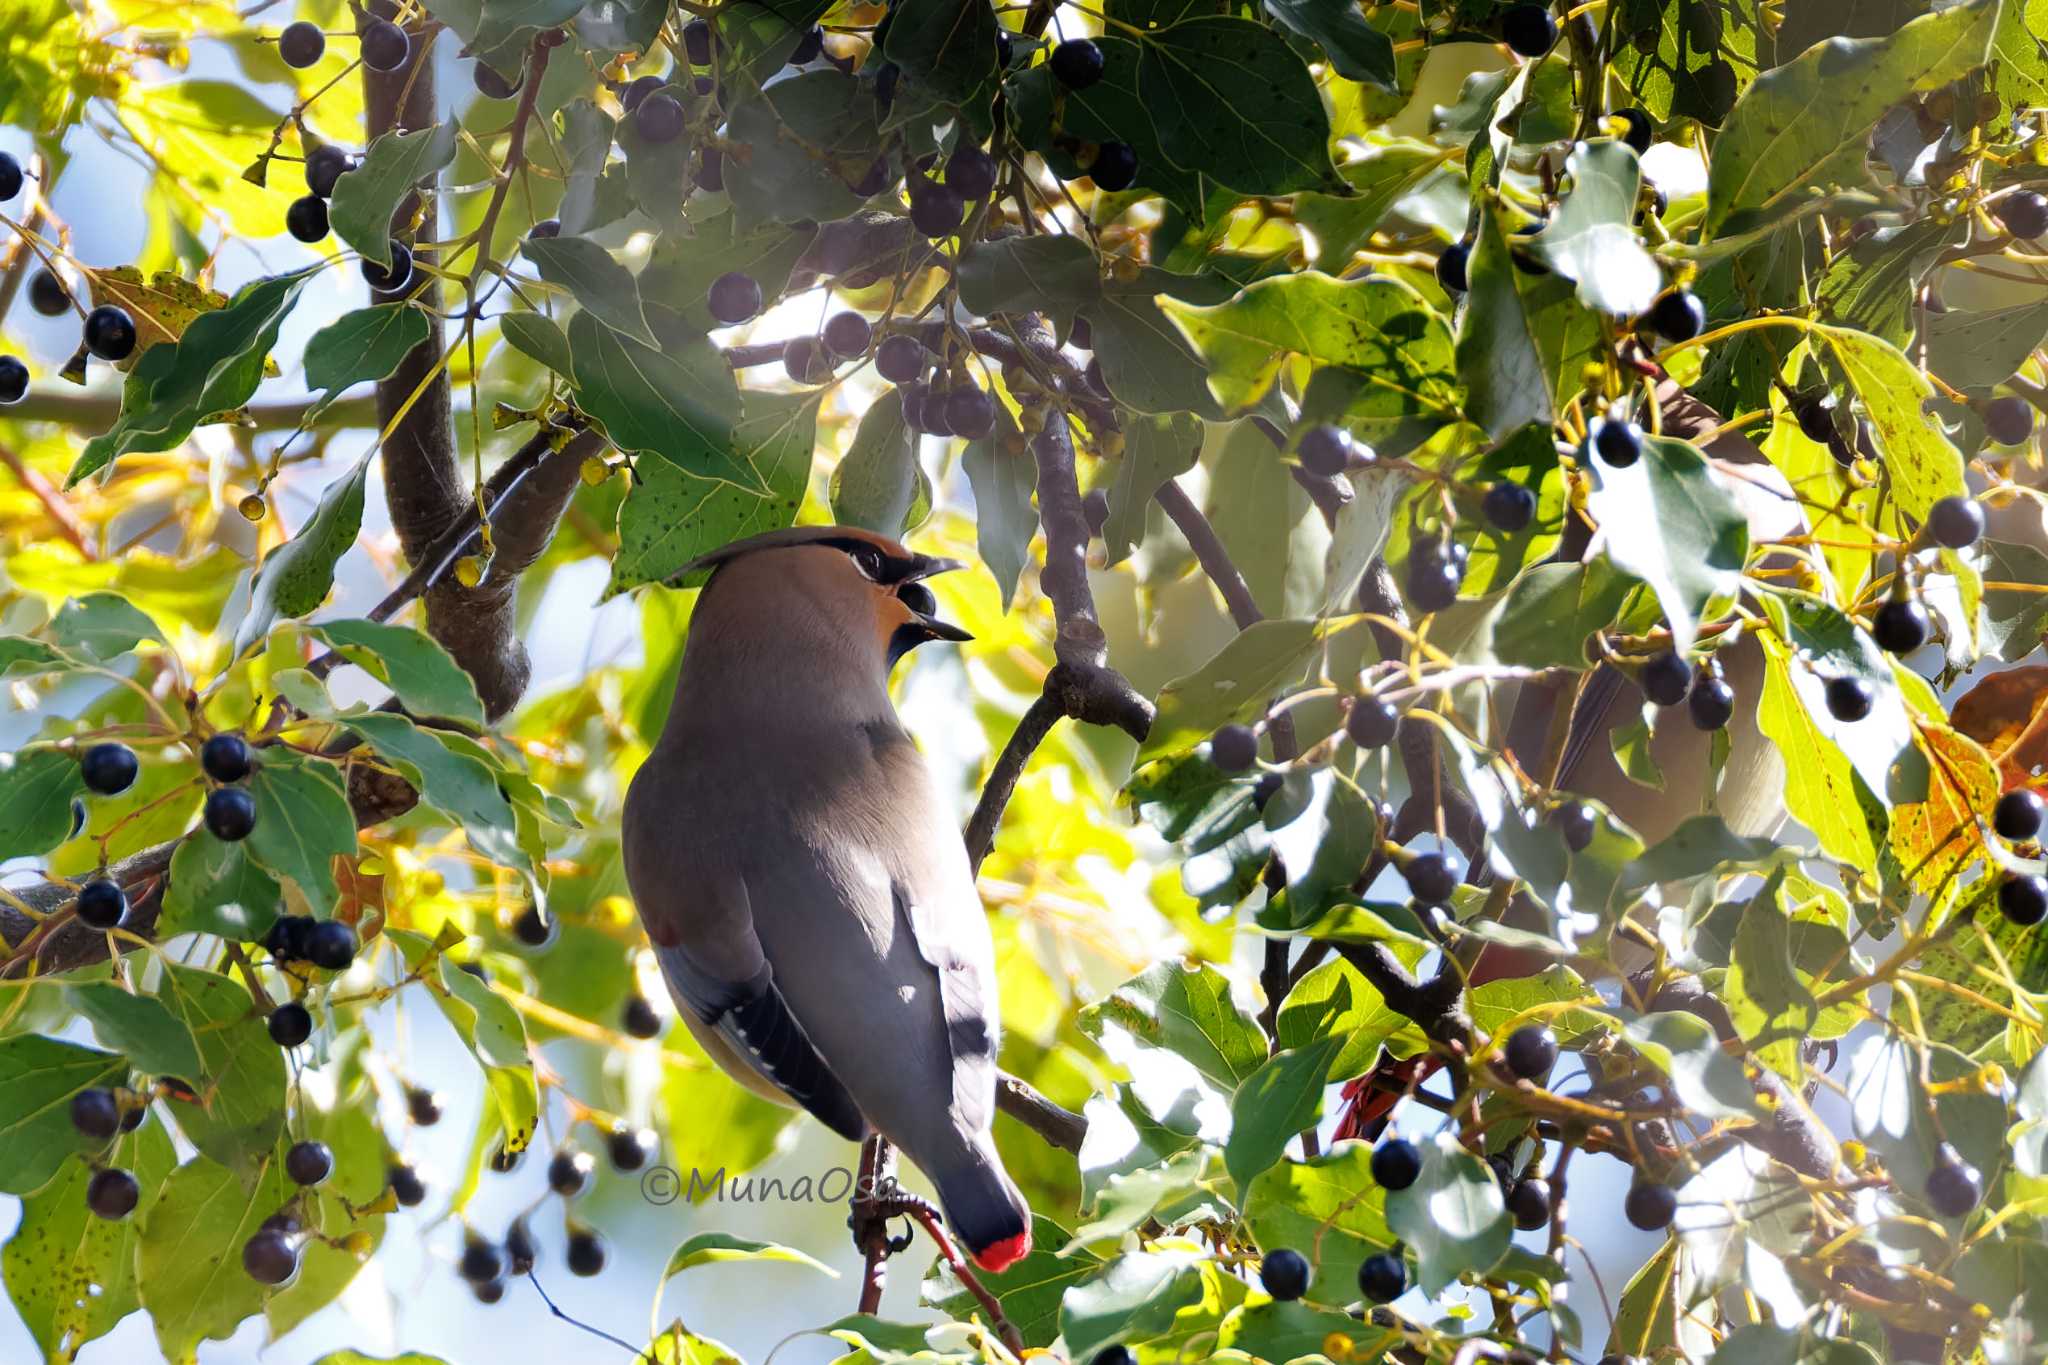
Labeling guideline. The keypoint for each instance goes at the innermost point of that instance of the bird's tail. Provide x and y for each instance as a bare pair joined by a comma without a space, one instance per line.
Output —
984,1207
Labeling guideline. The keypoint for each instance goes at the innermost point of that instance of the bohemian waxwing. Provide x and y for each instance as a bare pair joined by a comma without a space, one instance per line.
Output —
804,886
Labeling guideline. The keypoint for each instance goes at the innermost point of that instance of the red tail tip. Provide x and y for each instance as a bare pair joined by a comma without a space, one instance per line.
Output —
997,1257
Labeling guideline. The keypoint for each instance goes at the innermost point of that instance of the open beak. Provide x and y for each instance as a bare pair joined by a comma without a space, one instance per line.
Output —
927,624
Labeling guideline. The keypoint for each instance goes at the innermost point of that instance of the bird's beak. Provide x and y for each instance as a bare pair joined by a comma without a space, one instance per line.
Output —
931,566
928,566
941,630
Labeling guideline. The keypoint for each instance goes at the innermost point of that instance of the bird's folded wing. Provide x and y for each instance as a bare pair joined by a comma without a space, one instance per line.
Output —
715,966
935,895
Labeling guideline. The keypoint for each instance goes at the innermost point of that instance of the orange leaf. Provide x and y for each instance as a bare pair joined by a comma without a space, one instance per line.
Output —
2007,713
1935,837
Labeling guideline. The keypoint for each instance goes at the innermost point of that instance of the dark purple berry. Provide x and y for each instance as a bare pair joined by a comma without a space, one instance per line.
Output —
301,44
1284,1274
308,1162
1954,1187
112,1194
1372,722
331,945
1956,522
970,413
305,218
847,335
586,1252
392,278
697,42
95,1113
290,1024
47,294
1432,877
1618,441
1076,63
1234,748
108,769
1324,449
405,1185
640,1018
1529,30
1577,823
385,48
1114,167
230,813
423,1106
1529,1203
1396,1163
1711,701
270,1257
493,84
569,1170
1451,267
734,297
805,361
937,210
1509,507
110,332
971,172
901,358
659,119
1650,1207
2024,214
1677,315
1667,678
2018,815
1850,699
101,904
1900,626
226,757
1382,1277
1531,1052
325,164
2008,420
2023,898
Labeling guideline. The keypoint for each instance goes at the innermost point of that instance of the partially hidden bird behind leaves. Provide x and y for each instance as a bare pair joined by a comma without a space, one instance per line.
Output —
804,886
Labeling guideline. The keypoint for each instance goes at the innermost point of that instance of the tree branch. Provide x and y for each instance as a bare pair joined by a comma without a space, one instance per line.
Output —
1061,1127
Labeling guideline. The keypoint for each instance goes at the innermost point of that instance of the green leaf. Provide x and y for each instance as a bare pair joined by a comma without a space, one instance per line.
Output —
24,658
715,1124
1653,1312
1188,1012
296,577
411,663
38,1077
1924,466
805,139
1113,109
681,269
1280,1099
212,369
601,286
216,889
1146,362
1029,1291
189,1256
1805,124
37,787
60,1245
1509,380
719,1248
365,198
102,626
1549,613
673,514
1592,237
1452,1217
1329,1208
1319,876
1822,788
1380,179
538,337
1232,102
303,823
1705,1079
2014,619
1296,1330
1003,474
1237,683
152,1038
1379,328
880,484
1357,51
948,48
1704,49
1665,520
1053,274
241,1086
1335,1000
1977,350
363,345
622,25
458,784
1135,1296
2016,48
1820,643
658,173
1156,449
678,402
587,133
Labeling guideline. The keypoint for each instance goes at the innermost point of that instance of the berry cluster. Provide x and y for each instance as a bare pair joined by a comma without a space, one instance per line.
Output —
230,811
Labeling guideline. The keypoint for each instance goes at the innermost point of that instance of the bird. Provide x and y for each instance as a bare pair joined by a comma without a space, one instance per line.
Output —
801,881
